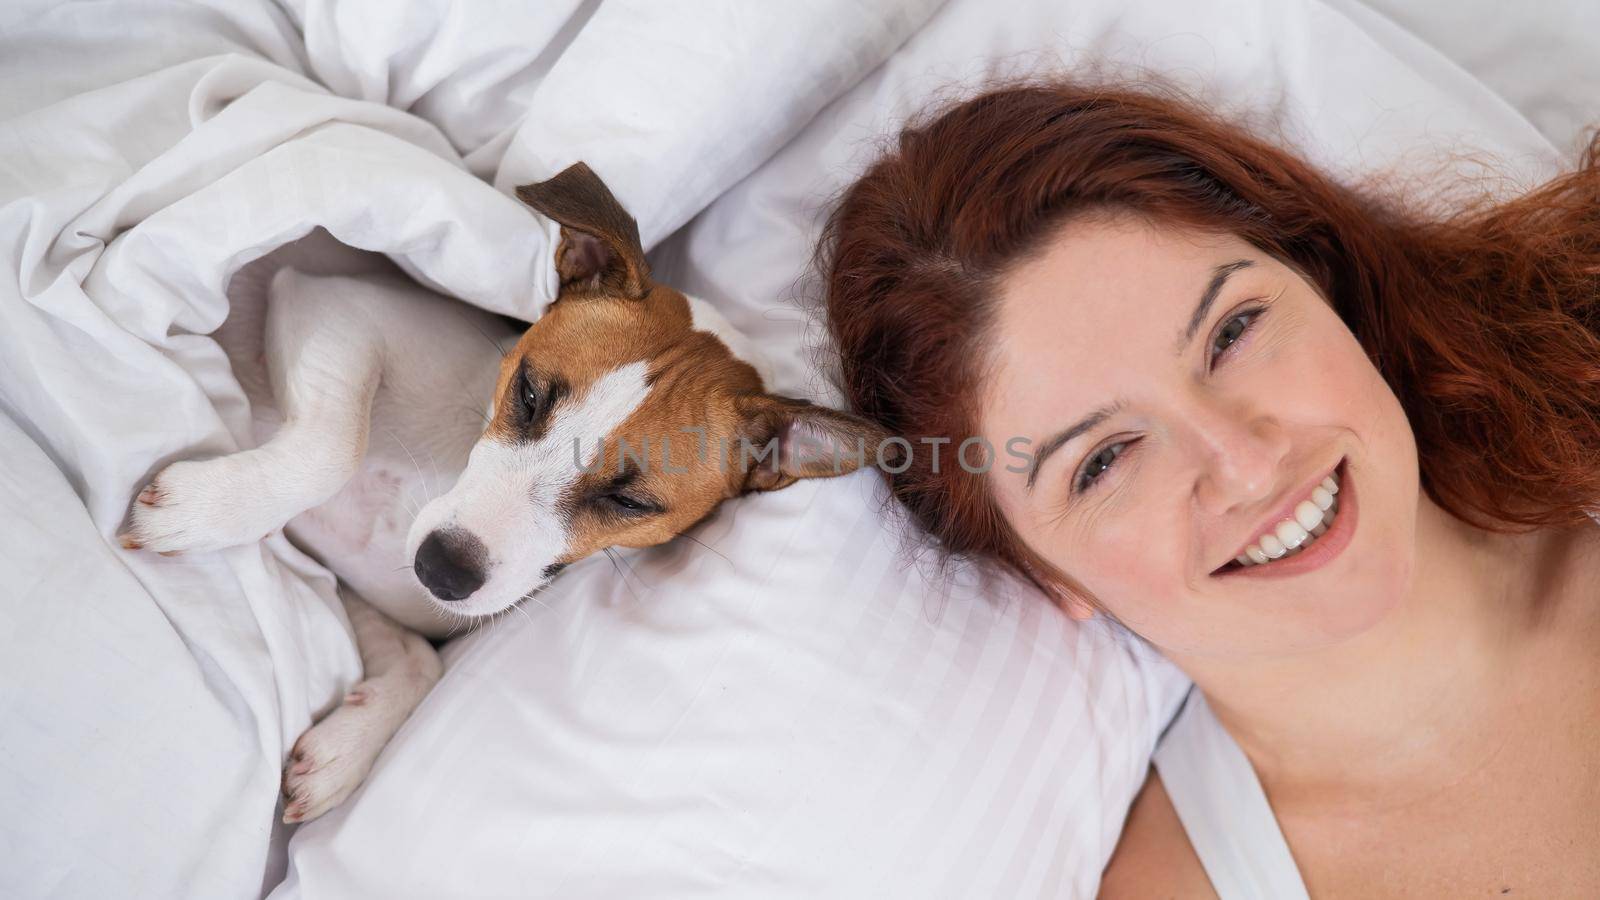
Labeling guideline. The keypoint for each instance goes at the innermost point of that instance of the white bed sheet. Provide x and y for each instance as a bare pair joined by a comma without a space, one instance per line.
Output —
147,149
791,710
1541,56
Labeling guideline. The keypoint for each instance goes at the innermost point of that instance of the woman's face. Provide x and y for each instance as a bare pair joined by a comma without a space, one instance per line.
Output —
1183,394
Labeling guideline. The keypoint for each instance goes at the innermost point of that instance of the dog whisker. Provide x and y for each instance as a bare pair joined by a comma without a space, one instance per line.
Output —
525,614
413,457
456,621
707,546
534,596
434,463
498,350
635,572
611,555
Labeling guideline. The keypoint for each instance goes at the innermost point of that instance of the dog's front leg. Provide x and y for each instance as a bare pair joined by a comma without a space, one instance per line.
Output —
325,364
333,757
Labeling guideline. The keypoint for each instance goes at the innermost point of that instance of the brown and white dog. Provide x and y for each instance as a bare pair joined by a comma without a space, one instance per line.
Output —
623,416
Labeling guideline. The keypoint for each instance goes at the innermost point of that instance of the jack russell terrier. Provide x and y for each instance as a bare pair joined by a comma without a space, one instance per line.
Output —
369,395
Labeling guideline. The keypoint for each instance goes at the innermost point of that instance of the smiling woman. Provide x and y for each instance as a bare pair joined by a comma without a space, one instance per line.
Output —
1333,454
1229,413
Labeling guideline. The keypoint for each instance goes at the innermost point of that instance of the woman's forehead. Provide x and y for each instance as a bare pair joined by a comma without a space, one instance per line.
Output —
1114,266
1105,302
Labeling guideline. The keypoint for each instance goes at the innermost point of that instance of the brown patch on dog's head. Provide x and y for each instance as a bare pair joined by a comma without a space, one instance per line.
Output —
617,421
705,430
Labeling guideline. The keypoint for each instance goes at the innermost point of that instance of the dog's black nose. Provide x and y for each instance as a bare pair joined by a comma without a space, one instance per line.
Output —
450,564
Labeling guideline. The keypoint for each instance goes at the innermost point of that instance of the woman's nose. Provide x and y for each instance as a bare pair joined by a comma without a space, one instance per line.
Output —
1242,455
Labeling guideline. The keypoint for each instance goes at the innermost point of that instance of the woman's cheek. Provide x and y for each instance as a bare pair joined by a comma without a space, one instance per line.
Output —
1125,560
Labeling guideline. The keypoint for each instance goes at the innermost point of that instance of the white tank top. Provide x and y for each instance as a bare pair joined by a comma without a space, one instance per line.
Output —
1219,800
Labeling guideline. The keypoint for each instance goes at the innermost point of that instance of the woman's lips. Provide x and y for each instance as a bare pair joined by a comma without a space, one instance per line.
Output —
1320,552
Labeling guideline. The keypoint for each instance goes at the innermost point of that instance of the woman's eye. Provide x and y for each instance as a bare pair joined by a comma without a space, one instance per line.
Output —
1231,332
1097,464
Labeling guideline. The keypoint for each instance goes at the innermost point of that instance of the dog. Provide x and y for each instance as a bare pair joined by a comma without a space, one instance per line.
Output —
370,393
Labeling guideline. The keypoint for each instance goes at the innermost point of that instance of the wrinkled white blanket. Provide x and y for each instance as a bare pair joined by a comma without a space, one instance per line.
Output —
149,149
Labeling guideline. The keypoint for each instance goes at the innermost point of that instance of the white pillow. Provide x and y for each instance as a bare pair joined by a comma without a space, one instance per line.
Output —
795,713
1542,59
783,706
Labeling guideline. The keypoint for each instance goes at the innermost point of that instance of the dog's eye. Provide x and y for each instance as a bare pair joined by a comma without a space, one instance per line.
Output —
530,398
630,506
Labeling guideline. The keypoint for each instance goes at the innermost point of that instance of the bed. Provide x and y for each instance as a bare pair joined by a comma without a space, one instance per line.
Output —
798,705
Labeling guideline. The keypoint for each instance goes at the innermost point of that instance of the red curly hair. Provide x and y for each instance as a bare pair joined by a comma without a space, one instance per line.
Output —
1485,322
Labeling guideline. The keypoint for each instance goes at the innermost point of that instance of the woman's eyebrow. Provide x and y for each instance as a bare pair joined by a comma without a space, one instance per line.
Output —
1066,434
1202,311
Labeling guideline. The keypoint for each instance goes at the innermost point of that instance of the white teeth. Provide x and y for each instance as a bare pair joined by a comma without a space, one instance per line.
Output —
1290,532
1309,521
1308,514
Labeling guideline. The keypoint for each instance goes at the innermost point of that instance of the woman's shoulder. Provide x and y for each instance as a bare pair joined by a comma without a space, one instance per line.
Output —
1153,857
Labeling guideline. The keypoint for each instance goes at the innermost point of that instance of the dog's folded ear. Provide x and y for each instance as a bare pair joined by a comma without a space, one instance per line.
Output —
785,440
600,249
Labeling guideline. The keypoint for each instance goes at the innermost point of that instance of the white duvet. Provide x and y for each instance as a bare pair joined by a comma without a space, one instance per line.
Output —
149,149
788,710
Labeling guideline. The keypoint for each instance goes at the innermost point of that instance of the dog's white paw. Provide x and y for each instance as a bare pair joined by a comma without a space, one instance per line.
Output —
198,505
333,757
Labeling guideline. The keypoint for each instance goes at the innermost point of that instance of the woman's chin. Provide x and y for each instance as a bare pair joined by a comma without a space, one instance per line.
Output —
1349,616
